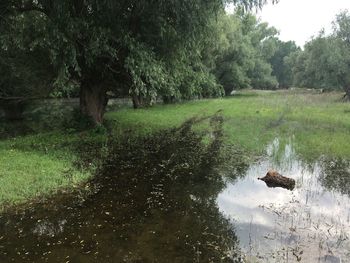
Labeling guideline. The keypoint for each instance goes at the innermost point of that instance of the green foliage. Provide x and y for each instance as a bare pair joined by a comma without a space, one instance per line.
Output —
145,48
281,63
184,77
235,55
244,49
325,61
148,74
342,35
319,65
261,37
24,65
261,76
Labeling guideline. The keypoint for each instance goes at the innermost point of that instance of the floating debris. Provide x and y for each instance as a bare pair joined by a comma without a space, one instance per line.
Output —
274,179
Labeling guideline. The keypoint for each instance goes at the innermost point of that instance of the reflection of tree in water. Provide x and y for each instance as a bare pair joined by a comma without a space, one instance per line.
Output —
233,164
155,202
335,174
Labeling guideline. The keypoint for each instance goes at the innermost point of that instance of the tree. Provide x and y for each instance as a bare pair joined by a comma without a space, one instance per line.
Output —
25,72
281,69
234,54
322,64
107,45
342,34
262,39
325,60
244,48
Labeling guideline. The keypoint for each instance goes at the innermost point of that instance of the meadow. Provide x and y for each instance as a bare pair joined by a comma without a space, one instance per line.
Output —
38,165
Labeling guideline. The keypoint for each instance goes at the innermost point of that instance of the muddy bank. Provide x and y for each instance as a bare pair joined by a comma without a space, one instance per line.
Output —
153,199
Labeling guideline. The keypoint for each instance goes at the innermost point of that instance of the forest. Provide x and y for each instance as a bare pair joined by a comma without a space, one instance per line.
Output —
135,131
172,51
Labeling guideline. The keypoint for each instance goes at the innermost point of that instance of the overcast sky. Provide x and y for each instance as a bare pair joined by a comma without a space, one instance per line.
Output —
299,20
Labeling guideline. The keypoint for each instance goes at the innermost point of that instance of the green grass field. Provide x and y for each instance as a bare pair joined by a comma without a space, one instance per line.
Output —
319,124
28,175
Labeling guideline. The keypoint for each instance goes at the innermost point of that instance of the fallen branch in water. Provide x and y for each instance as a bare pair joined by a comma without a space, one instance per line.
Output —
274,179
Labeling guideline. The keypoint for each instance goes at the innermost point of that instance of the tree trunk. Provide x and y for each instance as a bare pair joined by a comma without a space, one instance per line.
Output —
136,101
168,99
347,93
140,102
93,102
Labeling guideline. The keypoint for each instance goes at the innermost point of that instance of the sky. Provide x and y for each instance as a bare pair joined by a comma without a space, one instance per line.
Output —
299,20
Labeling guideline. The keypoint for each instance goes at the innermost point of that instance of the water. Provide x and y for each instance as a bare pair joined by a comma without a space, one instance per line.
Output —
310,223
169,198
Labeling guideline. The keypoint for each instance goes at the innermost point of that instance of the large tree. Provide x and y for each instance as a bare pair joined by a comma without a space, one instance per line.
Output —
25,68
342,35
325,60
322,64
130,45
245,47
235,54
281,67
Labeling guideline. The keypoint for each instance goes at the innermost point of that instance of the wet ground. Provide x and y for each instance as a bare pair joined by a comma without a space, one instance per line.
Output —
171,198
309,224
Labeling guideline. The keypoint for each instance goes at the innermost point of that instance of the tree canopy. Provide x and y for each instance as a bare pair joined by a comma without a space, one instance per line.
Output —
325,61
144,48
147,50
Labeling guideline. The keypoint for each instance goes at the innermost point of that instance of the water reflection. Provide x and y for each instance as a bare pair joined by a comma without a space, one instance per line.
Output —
154,201
309,224
335,175
169,198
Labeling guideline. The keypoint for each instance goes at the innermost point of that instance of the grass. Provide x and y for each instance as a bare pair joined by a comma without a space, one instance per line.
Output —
35,166
38,165
319,123
28,175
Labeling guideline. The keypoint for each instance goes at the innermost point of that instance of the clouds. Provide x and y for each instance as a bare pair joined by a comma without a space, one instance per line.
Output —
299,20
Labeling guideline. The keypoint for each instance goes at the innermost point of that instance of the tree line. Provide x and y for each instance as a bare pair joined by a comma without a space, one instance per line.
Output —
325,61
146,49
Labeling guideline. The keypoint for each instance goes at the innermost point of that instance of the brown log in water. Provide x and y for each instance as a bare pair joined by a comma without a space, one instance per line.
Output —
274,179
